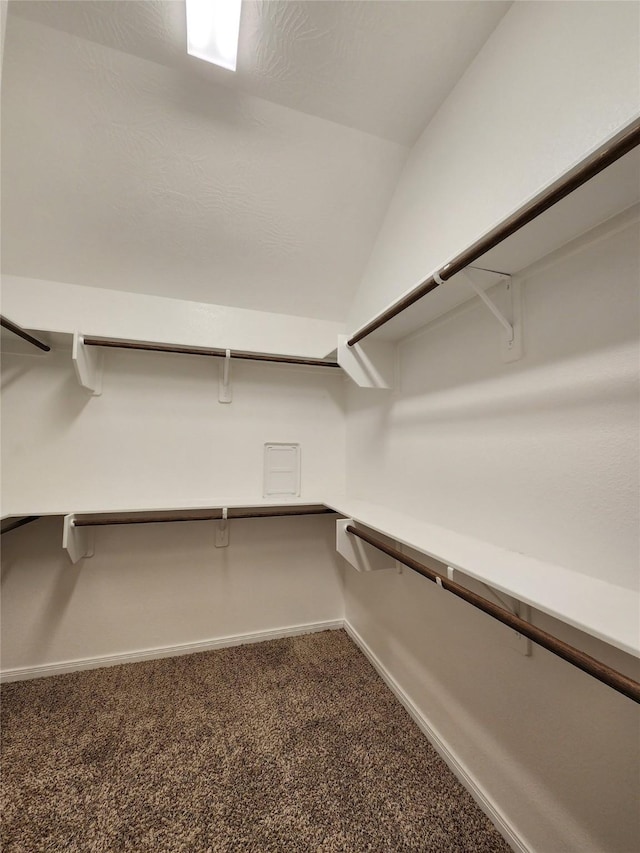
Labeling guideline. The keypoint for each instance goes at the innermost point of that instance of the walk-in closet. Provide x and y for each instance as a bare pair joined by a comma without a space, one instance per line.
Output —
320,426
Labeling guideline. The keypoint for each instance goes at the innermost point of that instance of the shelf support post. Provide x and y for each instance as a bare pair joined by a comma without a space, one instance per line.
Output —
518,641
88,364
224,390
222,533
511,341
497,313
76,541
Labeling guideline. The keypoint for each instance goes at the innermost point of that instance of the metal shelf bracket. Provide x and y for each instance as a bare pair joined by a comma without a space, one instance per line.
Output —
511,340
518,641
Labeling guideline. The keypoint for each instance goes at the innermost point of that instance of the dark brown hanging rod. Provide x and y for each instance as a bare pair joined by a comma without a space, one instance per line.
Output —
198,515
17,330
604,156
19,522
586,663
211,352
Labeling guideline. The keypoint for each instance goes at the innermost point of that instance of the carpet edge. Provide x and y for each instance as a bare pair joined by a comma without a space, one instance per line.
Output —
466,778
457,767
45,670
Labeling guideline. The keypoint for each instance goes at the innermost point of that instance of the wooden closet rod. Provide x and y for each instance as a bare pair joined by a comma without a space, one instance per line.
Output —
17,330
19,522
198,515
586,663
604,156
214,352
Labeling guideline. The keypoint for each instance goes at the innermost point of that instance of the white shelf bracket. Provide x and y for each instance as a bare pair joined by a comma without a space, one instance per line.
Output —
517,641
222,533
224,389
370,364
497,313
76,541
511,341
362,556
88,363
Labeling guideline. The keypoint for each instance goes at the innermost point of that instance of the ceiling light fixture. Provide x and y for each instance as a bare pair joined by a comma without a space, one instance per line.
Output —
213,27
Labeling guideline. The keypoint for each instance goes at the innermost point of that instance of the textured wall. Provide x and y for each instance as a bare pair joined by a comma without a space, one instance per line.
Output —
539,456
126,174
551,83
54,306
161,585
382,68
158,435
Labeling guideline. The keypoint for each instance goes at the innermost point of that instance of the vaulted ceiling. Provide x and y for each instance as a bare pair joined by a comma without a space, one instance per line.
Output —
127,164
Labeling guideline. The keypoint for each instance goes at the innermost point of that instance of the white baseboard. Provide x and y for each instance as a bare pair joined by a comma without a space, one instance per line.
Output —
166,651
486,803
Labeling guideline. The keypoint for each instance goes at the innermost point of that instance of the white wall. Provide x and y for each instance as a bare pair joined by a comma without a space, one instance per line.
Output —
552,82
150,587
553,751
157,436
60,307
539,456
3,26
132,175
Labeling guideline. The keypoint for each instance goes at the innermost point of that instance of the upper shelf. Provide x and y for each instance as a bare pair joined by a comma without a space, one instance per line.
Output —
603,610
608,201
87,355
186,507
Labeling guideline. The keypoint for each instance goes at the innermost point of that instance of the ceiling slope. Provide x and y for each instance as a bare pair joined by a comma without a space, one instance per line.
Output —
380,66
129,166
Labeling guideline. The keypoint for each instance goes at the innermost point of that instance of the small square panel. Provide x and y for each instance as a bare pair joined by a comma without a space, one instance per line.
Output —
281,469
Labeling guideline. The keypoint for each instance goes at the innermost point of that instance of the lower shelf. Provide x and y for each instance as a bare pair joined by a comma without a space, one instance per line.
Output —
606,611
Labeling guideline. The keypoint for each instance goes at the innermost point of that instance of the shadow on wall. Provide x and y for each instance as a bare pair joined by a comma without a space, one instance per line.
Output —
479,696
605,379
164,369
575,326
41,543
65,398
12,372
153,586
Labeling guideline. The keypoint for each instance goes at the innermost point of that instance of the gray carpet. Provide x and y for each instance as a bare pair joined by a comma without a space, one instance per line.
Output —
290,745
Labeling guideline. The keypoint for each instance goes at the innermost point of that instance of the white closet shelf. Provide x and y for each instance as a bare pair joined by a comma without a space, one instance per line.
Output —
64,341
87,354
195,506
584,214
606,611
77,532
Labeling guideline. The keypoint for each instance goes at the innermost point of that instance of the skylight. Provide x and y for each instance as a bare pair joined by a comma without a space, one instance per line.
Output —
213,27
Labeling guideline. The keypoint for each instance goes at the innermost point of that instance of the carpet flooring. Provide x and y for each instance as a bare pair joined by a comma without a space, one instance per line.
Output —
288,745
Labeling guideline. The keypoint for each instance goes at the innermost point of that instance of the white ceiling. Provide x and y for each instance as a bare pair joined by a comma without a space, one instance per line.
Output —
380,67
127,164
